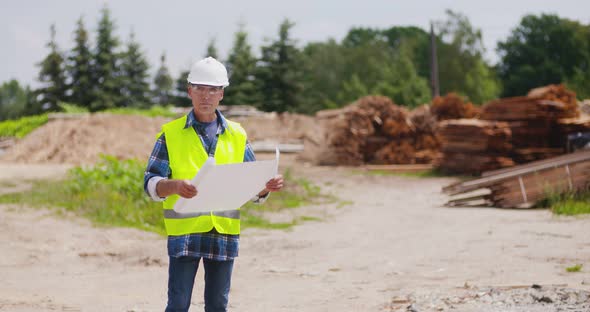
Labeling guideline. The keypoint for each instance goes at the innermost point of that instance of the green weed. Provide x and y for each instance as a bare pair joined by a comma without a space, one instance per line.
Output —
575,268
111,193
568,203
21,127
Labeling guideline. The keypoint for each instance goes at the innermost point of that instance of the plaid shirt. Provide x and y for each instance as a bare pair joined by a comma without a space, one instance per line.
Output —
211,245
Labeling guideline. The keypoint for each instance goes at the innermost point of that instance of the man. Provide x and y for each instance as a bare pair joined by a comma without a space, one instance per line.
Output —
181,149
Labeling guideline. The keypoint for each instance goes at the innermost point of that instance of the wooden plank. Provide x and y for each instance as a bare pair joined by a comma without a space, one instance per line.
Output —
574,157
516,171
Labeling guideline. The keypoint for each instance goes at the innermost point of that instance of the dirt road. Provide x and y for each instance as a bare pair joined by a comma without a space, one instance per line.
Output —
395,240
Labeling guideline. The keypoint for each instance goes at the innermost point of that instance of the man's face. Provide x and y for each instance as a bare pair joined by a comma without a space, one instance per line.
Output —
205,98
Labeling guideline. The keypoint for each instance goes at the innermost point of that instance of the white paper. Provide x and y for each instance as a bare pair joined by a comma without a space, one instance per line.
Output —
227,187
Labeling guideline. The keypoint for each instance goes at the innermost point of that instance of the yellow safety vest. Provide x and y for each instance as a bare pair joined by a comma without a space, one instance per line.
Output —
187,154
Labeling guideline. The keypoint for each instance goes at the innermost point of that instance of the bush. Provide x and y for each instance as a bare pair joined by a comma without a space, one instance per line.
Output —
21,127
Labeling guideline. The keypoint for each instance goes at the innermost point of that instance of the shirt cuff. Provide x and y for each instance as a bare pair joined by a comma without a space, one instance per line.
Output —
151,188
260,199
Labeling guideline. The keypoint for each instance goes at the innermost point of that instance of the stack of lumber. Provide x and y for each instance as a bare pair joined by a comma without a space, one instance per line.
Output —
523,186
525,108
452,106
425,141
574,125
471,146
557,93
534,121
371,130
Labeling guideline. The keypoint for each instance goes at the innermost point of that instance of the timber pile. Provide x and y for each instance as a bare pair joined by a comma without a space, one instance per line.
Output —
534,121
452,106
371,130
523,186
472,146
573,125
374,130
425,141
558,93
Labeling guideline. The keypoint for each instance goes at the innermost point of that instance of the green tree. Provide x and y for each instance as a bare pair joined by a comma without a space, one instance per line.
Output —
13,100
377,70
461,65
279,73
212,50
180,97
79,68
409,38
402,83
162,83
543,50
365,63
107,93
325,70
241,65
52,76
135,86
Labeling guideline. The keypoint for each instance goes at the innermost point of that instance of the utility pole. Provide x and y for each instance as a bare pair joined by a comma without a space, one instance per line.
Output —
434,85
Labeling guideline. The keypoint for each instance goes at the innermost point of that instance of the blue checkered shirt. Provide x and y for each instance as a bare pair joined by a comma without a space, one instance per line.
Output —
211,245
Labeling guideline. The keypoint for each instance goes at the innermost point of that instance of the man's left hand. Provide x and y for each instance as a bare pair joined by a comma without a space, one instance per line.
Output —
275,184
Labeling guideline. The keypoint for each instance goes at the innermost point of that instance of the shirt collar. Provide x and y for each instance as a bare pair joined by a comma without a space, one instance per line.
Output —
191,120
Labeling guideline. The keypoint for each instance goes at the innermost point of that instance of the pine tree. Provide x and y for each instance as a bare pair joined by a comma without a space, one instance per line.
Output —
52,77
162,83
106,65
79,68
180,92
212,50
279,74
134,75
241,64
13,100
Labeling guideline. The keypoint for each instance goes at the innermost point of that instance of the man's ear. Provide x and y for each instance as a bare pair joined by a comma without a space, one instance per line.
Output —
222,93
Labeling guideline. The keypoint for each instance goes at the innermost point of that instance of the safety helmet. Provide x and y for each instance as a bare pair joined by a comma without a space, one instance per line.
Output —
208,71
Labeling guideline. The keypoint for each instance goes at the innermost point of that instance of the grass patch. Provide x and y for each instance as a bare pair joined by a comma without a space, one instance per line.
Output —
70,108
111,193
569,203
309,218
19,128
344,203
575,268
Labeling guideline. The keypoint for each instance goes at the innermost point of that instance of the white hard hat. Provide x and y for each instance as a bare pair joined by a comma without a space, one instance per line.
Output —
208,71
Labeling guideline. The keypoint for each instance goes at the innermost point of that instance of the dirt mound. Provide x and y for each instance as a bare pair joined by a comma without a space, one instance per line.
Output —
283,128
82,140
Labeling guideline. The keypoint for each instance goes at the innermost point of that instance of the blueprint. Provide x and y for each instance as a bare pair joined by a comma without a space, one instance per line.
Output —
227,187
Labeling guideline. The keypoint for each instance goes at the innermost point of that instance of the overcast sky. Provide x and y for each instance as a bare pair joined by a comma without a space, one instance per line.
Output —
182,29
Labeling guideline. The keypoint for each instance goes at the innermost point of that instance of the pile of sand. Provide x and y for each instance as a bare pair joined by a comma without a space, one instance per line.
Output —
283,128
82,140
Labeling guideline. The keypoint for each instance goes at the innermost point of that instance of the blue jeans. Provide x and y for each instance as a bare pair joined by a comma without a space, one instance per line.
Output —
181,278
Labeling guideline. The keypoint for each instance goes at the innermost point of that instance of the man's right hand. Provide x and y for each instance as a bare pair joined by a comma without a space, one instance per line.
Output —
185,189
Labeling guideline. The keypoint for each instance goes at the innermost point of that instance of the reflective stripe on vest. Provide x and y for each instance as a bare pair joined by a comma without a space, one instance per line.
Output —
187,155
